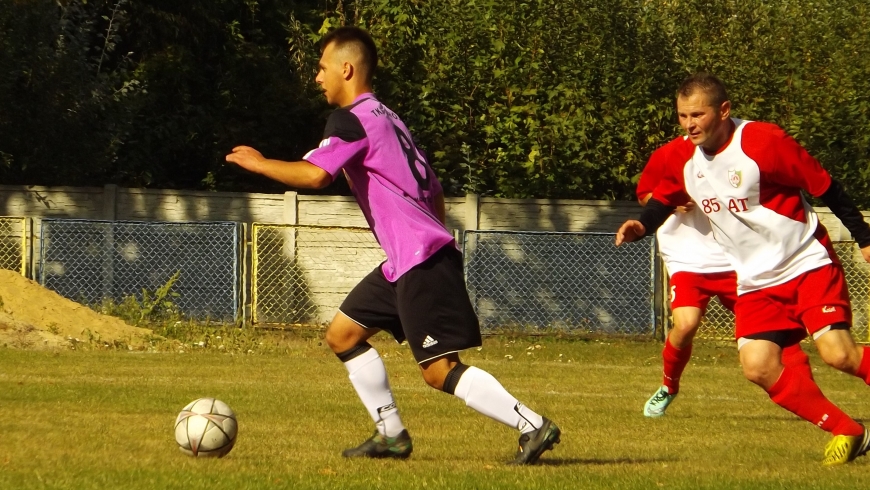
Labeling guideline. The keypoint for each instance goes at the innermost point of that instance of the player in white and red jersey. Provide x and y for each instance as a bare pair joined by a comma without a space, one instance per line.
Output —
747,177
697,270
418,294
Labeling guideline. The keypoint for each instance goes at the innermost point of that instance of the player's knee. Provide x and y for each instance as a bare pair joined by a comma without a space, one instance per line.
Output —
841,359
760,375
682,335
761,371
443,374
340,339
333,339
435,380
838,349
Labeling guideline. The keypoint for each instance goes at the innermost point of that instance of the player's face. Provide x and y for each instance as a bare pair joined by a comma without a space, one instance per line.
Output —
330,77
706,125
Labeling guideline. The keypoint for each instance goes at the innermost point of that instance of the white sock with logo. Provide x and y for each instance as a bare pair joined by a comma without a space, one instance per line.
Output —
482,392
368,375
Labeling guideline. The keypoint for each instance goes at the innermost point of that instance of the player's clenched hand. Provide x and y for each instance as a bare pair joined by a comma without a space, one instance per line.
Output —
246,157
630,231
865,252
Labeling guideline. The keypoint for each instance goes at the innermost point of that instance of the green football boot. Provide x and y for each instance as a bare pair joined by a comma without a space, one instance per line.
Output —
656,405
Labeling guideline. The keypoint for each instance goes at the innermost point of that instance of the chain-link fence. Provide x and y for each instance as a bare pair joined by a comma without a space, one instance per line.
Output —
718,323
577,282
93,261
301,274
13,239
520,281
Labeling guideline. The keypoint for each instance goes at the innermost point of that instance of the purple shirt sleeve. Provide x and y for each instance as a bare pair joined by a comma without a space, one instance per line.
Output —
344,141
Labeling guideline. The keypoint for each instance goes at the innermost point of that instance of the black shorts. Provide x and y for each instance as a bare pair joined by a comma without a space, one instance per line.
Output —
428,306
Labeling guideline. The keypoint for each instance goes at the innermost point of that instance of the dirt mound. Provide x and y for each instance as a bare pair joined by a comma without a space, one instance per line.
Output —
33,317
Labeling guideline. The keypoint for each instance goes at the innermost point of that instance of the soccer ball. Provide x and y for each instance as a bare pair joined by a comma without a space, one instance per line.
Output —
206,427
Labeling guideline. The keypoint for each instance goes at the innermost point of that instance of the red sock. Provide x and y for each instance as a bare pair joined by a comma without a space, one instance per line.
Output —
795,357
801,396
864,368
675,361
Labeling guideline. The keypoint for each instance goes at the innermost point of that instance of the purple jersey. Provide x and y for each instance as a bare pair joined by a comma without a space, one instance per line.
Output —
390,178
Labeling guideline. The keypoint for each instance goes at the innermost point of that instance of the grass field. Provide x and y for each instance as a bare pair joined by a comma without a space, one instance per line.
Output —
97,419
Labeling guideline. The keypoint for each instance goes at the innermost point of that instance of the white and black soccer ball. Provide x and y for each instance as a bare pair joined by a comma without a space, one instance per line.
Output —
206,427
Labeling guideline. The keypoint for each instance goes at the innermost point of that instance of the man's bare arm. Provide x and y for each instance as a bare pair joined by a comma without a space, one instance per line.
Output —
841,204
630,231
654,214
300,174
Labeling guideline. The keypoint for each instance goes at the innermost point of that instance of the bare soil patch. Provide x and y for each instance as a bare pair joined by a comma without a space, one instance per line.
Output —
33,317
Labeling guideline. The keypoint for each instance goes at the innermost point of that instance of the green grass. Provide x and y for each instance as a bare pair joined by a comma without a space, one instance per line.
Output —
102,419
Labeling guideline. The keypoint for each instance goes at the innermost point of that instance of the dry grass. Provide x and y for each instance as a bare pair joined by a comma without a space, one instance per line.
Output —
103,419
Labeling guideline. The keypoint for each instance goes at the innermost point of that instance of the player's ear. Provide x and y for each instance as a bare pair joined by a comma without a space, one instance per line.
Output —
348,71
725,109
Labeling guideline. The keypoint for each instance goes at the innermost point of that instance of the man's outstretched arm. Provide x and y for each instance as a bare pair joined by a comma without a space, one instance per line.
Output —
843,207
300,174
654,214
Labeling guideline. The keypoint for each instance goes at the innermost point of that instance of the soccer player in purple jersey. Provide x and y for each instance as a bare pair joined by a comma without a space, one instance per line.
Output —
418,294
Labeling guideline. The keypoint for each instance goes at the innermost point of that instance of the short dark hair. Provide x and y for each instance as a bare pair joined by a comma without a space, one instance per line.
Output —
361,39
707,83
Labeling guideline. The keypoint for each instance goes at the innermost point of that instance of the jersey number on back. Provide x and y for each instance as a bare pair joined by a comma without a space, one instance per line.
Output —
415,160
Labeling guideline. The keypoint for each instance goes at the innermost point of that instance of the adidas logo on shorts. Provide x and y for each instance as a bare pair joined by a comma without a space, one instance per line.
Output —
429,342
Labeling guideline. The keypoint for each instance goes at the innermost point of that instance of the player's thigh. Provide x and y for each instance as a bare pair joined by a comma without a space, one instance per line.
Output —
436,313
686,290
368,308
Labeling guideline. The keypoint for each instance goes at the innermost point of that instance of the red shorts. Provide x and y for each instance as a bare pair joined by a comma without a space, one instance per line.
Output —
810,301
695,289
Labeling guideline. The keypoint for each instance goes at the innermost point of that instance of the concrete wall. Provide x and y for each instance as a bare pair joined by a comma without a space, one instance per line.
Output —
463,213
470,212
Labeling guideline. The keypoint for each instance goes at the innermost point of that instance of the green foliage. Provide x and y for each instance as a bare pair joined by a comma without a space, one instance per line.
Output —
540,98
63,85
547,99
568,99
155,307
147,93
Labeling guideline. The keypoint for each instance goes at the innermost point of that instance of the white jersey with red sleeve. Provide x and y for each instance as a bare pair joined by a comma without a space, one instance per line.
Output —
685,240
751,192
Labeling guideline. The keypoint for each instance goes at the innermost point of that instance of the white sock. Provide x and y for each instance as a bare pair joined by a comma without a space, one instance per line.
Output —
482,392
368,375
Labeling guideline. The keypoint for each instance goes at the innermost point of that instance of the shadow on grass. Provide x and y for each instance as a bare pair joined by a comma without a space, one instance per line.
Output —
601,462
